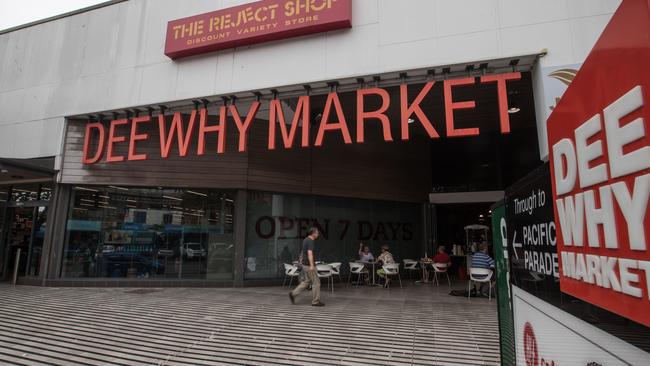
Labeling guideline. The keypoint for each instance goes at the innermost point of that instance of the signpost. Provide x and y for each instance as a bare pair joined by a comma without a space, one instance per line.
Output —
504,300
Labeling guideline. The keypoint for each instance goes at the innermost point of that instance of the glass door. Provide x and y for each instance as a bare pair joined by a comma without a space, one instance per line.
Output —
36,245
3,228
19,236
23,219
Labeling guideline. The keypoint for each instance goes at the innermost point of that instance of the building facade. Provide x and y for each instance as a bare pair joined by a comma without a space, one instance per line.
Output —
121,165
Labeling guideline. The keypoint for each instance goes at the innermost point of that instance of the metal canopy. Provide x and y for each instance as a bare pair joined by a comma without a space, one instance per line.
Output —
23,171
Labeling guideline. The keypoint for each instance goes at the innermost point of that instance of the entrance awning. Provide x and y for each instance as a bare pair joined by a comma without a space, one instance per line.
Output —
23,171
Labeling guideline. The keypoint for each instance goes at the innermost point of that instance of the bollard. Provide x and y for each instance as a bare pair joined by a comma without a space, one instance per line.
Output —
16,265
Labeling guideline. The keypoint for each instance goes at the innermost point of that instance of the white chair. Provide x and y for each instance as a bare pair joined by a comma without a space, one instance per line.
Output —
358,269
392,269
440,268
480,275
325,271
411,266
336,269
290,271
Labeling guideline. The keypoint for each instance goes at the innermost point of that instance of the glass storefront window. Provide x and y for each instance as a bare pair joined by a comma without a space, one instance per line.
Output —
46,193
276,224
25,193
29,192
120,232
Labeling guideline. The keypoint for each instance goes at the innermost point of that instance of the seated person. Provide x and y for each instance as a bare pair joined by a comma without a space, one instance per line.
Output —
385,258
364,253
481,259
440,258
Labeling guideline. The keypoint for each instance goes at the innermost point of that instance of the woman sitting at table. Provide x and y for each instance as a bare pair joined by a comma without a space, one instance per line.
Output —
364,253
385,258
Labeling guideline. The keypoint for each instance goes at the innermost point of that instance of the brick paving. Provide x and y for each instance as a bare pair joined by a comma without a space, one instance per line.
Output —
416,325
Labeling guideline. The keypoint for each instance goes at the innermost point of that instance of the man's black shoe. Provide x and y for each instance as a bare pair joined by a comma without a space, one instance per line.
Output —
318,304
293,299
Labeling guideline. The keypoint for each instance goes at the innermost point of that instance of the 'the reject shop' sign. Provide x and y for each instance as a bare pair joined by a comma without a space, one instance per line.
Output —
599,136
255,22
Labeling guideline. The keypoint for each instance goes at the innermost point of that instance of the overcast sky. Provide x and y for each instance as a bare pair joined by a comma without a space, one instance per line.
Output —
17,12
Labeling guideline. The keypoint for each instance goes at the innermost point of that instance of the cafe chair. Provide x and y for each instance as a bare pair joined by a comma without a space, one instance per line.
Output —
325,271
411,266
290,271
440,268
336,269
480,275
358,269
392,269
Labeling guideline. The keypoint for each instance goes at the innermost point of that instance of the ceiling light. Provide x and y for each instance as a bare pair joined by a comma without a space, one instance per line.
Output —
85,189
4,171
513,103
120,188
197,193
173,198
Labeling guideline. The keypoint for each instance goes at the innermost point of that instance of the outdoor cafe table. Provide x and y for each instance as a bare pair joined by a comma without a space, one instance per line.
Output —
372,263
423,264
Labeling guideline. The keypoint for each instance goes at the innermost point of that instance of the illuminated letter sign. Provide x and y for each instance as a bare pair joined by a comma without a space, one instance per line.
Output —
190,133
257,22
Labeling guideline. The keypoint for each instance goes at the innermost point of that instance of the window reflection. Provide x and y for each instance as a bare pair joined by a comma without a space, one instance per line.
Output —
277,223
135,233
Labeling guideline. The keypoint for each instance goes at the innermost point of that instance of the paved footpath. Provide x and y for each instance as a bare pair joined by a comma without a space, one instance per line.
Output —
417,325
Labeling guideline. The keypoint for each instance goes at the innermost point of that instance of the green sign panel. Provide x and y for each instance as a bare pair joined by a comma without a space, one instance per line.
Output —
506,323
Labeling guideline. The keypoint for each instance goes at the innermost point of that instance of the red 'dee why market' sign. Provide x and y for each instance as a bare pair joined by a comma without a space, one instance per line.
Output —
261,21
599,139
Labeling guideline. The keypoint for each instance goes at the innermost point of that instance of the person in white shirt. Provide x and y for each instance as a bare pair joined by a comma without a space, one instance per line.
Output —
364,253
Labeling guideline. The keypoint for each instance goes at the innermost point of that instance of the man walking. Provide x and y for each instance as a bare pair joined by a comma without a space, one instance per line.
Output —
309,270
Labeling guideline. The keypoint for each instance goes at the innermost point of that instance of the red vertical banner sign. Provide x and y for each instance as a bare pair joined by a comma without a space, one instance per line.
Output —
599,137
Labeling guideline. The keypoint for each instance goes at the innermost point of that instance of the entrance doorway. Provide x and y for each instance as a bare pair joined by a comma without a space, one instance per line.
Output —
25,231
23,222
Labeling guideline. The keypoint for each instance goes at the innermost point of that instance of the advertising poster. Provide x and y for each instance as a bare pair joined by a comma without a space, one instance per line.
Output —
599,139
580,268
548,336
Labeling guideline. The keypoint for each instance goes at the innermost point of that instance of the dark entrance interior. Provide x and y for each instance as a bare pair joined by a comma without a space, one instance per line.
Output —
451,220
23,221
